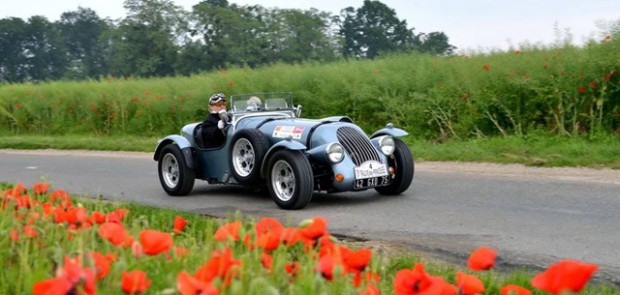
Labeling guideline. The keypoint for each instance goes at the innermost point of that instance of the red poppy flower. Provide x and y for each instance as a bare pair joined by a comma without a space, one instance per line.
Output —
468,284
79,277
14,235
189,285
220,265
328,264
102,264
135,282
566,275
117,215
179,224
370,290
290,236
55,286
269,241
412,281
267,225
30,231
482,258
116,234
593,85
60,215
77,215
582,89
226,231
61,196
266,260
292,267
40,188
514,290
98,217
358,260
313,229
417,282
155,242
486,67
17,190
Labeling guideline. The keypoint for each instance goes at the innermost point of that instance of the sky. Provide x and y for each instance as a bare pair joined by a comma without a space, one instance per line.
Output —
471,25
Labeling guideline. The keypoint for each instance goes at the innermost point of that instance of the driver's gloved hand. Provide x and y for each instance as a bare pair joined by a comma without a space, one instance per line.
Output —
220,124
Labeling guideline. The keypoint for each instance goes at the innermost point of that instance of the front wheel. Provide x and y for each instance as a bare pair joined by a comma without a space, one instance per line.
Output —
175,177
402,161
290,180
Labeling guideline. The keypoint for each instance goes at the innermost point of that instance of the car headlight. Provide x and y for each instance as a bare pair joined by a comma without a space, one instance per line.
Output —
387,145
335,152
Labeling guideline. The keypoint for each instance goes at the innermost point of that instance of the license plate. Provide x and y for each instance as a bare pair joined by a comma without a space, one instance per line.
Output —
370,169
371,182
371,174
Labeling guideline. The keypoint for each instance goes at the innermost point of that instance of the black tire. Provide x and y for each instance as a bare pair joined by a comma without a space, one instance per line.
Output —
290,180
174,175
404,167
247,150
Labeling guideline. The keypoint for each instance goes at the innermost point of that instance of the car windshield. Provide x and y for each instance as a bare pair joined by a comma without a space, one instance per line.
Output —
261,102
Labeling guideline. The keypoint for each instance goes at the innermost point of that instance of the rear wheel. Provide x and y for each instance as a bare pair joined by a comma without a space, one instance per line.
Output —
290,180
174,175
246,155
403,164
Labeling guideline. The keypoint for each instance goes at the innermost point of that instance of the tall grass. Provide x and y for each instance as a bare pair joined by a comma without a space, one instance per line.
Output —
561,90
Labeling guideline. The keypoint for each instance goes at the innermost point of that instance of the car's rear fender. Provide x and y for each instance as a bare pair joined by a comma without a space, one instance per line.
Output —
284,144
184,145
390,130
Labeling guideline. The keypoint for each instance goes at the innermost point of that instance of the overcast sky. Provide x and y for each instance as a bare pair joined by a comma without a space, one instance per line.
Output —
470,24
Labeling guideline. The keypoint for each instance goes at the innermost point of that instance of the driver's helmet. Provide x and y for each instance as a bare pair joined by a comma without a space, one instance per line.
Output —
215,98
253,104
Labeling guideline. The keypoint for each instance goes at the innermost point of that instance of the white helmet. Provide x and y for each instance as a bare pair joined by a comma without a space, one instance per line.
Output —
215,98
253,104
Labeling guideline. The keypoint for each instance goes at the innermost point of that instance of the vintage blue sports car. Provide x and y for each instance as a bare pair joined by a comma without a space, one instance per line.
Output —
268,143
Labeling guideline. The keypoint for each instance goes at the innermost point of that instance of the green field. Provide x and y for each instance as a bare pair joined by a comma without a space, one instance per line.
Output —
567,91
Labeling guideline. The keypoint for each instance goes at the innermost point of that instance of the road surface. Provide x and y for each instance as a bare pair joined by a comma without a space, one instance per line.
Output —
533,216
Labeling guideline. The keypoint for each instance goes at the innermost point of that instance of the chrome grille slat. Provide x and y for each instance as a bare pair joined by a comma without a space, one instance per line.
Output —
357,145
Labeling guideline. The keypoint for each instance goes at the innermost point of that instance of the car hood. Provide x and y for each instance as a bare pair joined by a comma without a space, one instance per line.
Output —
310,132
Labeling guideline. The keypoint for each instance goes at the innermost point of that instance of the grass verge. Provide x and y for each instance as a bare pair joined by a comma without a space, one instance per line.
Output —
42,237
535,150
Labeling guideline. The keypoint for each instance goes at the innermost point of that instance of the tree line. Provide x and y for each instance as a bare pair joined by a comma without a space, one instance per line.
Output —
158,38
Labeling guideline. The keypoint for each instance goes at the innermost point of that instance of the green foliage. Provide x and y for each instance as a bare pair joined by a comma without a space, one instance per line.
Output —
158,38
566,91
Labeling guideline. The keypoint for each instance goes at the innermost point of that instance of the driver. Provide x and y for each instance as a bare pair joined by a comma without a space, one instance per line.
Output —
213,127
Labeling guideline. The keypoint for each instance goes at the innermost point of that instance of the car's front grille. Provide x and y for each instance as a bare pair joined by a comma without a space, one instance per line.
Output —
357,145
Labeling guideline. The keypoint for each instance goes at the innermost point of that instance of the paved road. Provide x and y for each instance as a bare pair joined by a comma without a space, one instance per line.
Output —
533,216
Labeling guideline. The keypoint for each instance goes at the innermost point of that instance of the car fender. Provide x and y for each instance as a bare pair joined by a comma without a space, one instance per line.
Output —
184,145
337,119
284,144
390,130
